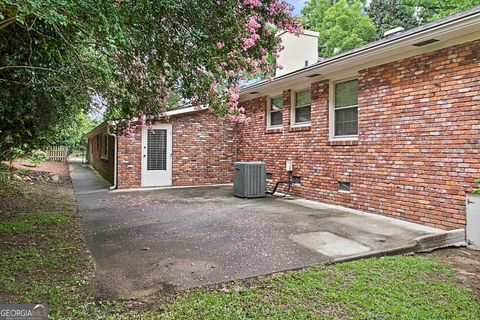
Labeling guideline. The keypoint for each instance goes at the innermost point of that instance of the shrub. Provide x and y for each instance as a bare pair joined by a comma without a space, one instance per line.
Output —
37,157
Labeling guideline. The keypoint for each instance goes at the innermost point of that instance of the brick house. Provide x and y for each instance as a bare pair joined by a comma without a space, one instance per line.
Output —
392,127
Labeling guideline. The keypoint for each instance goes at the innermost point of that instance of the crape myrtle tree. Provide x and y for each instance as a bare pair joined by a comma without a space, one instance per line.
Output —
139,56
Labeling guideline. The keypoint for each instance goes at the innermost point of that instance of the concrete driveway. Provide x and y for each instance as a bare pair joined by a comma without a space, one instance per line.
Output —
172,239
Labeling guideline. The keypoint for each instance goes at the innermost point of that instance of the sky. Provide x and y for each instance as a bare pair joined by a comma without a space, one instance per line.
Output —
297,4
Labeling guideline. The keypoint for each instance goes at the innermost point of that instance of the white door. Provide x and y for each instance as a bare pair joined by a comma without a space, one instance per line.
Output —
157,155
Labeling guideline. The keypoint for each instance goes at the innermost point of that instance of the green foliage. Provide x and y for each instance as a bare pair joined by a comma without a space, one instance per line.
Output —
56,55
71,133
431,10
4,176
389,14
477,189
37,156
341,24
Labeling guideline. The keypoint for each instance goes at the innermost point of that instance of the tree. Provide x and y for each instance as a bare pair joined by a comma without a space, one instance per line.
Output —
389,14
341,24
430,10
56,54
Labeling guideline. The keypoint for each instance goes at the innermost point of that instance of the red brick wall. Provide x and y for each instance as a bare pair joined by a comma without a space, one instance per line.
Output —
203,152
418,148
103,166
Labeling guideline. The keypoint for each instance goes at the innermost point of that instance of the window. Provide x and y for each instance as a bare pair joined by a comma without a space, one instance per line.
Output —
275,112
104,146
343,186
345,107
302,106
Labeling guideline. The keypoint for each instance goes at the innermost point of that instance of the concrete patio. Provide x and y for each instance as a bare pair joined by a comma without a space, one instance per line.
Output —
171,239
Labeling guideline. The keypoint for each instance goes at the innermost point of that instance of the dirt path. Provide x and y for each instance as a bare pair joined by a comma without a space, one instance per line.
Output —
465,263
47,187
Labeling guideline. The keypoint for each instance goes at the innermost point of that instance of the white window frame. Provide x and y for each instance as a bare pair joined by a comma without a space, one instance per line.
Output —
331,99
269,112
293,109
104,146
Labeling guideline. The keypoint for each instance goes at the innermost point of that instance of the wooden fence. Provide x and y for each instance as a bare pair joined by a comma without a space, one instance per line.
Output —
57,153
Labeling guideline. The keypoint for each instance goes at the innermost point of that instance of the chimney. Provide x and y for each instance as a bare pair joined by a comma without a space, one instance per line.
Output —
393,31
299,51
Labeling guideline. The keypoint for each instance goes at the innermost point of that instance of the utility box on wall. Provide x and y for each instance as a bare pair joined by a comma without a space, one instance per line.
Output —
249,179
473,221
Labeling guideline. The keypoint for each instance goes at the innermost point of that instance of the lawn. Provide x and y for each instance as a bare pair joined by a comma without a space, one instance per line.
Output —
43,260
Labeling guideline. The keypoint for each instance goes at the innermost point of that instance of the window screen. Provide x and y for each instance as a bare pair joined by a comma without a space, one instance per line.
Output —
302,106
157,149
346,122
276,105
346,108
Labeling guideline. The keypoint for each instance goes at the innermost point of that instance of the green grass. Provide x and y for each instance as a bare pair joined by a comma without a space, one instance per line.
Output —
46,267
41,262
379,288
33,222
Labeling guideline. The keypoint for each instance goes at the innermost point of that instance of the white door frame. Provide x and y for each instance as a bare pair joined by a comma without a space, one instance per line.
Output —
156,178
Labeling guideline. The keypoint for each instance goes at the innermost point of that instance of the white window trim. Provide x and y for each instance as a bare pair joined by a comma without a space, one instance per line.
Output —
269,114
104,146
293,108
331,115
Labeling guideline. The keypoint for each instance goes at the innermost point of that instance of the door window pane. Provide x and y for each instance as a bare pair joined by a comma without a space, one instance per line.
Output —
157,149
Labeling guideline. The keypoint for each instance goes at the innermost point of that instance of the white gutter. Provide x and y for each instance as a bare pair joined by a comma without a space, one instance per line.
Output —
184,110
115,158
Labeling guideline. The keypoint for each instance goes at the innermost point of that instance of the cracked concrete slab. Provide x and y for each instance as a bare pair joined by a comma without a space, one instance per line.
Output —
167,240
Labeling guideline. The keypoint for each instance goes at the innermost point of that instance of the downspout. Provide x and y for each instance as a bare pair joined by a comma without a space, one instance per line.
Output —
115,158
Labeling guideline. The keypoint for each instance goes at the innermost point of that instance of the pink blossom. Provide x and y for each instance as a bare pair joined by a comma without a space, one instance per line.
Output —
220,45
234,97
251,3
252,24
254,36
213,87
247,43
